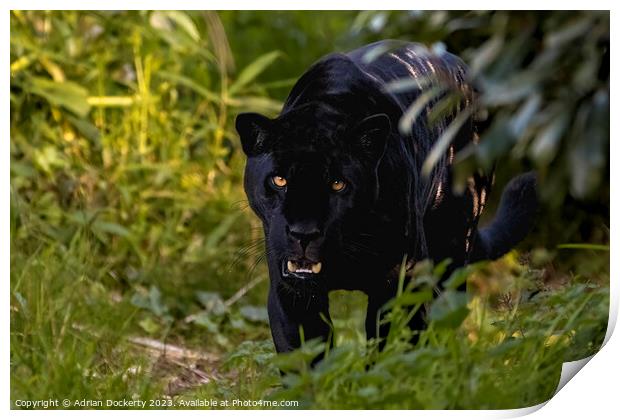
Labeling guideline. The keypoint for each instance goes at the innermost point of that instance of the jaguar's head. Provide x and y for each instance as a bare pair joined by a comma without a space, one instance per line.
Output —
311,173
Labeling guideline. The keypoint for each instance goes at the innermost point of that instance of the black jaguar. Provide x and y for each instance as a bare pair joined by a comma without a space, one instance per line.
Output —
341,192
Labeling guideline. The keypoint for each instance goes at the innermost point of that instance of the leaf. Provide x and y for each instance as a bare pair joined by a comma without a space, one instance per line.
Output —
192,84
150,301
505,346
22,170
23,303
301,358
255,313
212,302
440,268
66,94
87,129
528,110
410,299
545,145
155,302
511,90
485,55
387,46
457,278
449,310
407,84
256,103
445,107
81,217
149,325
495,142
590,145
406,122
238,323
49,158
167,22
159,20
111,227
368,392
248,352
252,71
567,33
441,146
206,320
185,22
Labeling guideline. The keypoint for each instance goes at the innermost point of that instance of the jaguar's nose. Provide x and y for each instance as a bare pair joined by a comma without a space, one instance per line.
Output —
303,233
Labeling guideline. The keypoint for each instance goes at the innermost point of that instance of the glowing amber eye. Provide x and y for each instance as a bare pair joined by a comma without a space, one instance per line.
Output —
338,185
278,181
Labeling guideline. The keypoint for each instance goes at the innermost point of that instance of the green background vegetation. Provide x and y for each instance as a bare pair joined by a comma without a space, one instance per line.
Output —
130,229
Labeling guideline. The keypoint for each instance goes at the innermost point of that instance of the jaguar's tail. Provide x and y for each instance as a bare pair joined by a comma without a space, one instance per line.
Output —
513,221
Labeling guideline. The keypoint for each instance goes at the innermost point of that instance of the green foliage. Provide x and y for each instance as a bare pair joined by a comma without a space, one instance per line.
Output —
474,355
67,340
543,79
121,144
129,227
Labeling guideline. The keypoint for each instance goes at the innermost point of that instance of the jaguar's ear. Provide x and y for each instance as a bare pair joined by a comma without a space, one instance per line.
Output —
370,136
253,129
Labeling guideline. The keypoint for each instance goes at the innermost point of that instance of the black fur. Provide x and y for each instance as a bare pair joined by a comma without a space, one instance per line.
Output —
340,123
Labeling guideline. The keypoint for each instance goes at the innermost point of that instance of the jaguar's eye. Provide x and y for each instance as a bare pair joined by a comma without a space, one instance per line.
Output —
338,185
278,181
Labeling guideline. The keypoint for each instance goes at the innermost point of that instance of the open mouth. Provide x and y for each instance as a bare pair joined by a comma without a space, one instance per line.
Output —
301,268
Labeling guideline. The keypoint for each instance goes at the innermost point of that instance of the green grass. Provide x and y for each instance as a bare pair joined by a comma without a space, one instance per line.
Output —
129,229
502,350
74,338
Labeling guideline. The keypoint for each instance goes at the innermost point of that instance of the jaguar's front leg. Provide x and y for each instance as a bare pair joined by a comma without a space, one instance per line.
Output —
376,327
291,313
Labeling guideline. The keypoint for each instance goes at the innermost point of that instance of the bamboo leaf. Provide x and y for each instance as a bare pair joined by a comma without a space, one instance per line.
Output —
68,95
192,84
485,55
567,33
185,22
252,71
408,84
406,122
440,148
545,146
256,103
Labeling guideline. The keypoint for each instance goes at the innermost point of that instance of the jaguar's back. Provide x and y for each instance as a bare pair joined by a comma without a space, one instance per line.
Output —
414,76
